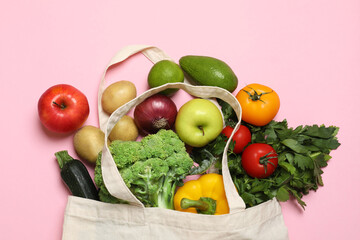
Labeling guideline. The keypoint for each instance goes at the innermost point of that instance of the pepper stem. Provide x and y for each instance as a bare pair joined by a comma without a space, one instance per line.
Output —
204,205
63,158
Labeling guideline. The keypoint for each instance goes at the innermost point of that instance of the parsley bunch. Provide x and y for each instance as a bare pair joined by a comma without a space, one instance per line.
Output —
302,154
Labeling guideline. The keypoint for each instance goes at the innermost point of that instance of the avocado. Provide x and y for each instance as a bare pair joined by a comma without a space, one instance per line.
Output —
209,71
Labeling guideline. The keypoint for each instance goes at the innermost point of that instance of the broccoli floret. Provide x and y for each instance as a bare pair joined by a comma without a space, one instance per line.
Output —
178,165
104,194
151,168
126,153
172,142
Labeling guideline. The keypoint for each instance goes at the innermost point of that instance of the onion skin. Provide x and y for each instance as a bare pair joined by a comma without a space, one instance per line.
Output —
155,113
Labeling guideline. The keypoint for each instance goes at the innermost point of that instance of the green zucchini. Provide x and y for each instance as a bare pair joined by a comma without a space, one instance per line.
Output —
76,176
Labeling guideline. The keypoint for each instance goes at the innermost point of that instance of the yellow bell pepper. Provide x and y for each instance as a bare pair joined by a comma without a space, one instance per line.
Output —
205,195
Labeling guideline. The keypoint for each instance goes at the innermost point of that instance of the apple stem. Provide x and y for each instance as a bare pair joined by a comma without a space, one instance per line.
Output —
202,129
62,106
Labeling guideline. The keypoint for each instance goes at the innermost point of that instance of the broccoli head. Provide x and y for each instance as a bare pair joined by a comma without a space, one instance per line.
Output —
151,168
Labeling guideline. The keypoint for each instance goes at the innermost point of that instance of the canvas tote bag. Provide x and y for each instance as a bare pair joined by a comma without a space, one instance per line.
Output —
94,220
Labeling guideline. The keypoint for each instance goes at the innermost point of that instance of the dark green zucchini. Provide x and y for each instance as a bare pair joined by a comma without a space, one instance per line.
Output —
76,176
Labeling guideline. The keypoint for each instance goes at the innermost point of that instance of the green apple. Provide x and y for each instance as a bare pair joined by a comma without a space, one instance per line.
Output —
198,122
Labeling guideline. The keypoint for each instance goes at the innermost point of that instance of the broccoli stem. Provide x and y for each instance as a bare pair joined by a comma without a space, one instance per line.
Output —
165,199
204,205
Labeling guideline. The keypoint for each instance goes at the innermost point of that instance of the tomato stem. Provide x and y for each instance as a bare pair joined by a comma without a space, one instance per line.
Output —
264,160
255,96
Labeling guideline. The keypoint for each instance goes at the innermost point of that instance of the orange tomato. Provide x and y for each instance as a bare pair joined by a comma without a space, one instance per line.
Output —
259,104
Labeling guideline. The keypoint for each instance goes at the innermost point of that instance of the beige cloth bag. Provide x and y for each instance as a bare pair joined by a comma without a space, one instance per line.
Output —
94,220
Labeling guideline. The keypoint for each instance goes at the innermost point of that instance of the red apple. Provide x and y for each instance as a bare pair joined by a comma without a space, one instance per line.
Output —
63,108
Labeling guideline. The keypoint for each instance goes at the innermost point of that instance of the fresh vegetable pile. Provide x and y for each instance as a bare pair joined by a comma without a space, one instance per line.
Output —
151,168
157,148
301,154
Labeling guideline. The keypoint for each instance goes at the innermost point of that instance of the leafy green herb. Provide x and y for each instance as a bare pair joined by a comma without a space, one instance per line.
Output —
303,153
228,113
209,156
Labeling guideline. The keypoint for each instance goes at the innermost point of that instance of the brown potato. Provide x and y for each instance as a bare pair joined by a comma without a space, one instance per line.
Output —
88,142
125,130
116,95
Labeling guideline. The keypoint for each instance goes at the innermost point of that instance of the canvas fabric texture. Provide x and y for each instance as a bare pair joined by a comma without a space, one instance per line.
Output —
95,220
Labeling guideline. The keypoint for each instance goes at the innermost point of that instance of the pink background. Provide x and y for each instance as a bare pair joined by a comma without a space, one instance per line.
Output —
308,51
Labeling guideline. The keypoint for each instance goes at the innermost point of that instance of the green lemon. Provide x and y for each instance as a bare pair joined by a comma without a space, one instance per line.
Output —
163,72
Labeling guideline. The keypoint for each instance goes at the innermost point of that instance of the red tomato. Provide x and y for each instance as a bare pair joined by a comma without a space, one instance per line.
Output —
242,137
259,160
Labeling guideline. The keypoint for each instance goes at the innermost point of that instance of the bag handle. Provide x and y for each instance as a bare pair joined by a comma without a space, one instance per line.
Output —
154,54
112,178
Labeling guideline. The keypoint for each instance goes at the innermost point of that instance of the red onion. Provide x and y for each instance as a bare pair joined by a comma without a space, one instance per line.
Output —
155,113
